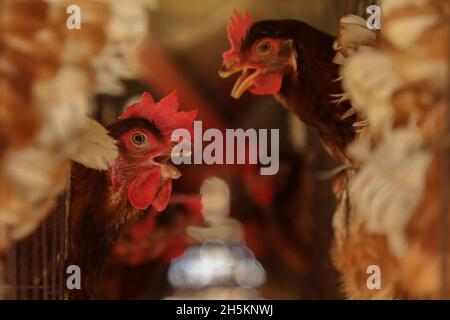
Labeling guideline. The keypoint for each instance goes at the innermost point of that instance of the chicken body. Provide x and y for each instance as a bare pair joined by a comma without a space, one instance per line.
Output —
94,224
294,62
397,206
139,180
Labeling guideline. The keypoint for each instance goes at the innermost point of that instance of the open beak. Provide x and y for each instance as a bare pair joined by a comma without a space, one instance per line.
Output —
245,81
168,170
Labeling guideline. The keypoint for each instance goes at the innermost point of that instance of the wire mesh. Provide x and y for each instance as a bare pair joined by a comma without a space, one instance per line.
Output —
34,267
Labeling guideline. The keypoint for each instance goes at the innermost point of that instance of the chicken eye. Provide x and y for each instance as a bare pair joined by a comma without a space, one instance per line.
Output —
138,138
264,48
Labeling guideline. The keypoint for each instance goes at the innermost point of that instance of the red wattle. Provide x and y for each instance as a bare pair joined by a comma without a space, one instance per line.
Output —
267,84
161,200
143,188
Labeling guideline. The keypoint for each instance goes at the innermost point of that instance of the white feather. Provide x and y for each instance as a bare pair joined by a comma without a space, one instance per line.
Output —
93,147
387,188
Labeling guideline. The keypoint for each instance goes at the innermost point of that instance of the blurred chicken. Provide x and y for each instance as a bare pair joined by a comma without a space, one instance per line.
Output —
145,249
139,179
160,236
392,213
45,83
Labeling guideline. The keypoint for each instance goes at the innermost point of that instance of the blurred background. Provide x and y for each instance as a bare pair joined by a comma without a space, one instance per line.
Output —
267,236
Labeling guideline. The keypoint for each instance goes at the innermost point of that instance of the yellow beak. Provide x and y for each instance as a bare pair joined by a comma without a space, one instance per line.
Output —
245,80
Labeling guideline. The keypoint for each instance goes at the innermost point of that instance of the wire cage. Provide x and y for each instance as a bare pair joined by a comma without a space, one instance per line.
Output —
34,268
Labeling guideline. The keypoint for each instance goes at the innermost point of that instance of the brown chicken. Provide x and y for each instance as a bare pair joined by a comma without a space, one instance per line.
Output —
294,62
45,93
396,214
138,180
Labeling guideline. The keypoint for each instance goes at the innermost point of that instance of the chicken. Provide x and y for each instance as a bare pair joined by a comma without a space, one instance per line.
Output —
160,236
294,62
138,180
146,248
45,88
395,213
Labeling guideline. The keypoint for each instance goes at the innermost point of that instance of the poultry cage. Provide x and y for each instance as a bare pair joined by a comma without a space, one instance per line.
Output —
34,267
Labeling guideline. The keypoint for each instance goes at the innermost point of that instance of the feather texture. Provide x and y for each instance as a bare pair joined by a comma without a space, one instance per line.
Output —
390,217
48,75
93,147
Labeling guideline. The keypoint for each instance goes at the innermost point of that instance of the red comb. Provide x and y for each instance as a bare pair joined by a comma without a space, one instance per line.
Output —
237,30
163,114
